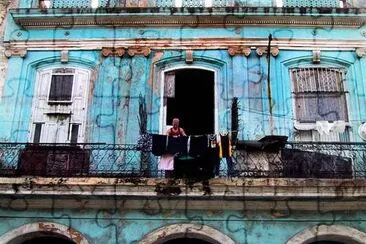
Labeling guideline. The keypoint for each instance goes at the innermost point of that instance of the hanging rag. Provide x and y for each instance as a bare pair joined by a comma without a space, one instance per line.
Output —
339,126
166,162
323,127
225,146
159,144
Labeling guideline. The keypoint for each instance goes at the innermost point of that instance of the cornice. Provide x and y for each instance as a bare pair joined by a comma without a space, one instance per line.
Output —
233,45
301,194
190,17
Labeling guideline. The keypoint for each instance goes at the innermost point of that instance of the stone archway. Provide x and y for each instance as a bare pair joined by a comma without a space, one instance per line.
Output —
35,230
178,231
338,233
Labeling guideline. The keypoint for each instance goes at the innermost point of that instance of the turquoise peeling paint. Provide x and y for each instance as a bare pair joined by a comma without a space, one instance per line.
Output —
127,226
113,103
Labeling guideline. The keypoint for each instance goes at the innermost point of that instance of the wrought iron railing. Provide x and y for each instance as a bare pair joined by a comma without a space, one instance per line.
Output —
189,3
290,160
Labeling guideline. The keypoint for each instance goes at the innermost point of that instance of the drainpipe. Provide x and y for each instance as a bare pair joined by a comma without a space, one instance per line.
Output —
269,83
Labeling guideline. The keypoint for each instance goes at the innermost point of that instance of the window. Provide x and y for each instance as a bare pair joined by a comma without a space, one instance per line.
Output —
320,105
319,94
37,132
74,133
59,105
61,85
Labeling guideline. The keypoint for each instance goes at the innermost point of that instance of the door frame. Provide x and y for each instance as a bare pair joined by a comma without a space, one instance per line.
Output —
37,89
163,127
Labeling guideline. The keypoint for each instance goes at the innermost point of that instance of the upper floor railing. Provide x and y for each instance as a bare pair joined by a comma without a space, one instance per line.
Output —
195,3
248,159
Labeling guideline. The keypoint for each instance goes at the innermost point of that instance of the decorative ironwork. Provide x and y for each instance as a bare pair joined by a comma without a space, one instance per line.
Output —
310,3
249,159
71,4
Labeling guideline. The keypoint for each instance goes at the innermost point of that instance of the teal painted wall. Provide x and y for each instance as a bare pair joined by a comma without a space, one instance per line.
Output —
113,100
125,226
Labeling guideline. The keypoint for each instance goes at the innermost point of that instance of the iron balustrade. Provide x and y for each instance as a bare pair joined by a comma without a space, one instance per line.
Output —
189,3
293,160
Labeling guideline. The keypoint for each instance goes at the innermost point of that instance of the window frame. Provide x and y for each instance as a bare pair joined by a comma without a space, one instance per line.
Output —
344,91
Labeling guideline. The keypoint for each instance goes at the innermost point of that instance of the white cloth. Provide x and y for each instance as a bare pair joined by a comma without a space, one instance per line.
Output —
323,127
339,126
166,162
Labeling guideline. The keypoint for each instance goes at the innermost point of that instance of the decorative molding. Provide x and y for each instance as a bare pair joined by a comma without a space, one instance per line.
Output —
361,52
239,50
132,51
184,44
263,50
17,235
316,56
107,51
15,52
193,17
189,56
183,230
340,233
64,56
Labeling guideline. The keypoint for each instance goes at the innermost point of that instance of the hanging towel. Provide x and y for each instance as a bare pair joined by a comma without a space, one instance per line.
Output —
339,126
166,162
198,145
323,127
159,143
225,146
177,145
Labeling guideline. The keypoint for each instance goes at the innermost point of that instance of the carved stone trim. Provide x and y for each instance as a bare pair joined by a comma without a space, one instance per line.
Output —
189,56
316,56
239,50
64,56
106,51
361,52
263,50
15,52
132,51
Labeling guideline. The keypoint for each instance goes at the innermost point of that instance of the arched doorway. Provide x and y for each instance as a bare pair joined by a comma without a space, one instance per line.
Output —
43,232
327,242
187,240
186,233
47,239
189,94
329,234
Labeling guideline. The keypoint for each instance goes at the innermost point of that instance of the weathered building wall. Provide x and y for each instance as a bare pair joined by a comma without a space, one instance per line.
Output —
123,226
4,6
119,81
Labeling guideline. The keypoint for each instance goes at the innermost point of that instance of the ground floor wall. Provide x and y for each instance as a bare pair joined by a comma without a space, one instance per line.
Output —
154,225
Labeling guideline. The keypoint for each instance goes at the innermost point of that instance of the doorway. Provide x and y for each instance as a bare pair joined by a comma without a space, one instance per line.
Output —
186,240
47,240
193,101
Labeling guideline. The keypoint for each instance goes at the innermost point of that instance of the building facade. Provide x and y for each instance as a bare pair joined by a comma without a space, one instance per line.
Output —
83,82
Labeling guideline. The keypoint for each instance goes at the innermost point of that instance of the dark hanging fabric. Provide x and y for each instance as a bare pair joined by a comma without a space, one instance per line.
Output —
177,145
225,147
159,144
198,146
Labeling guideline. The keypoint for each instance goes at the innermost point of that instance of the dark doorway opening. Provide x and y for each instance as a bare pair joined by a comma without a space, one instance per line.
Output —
327,242
186,241
48,240
193,102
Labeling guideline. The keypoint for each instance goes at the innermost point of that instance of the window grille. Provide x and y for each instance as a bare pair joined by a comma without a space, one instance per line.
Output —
312,3
319,94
